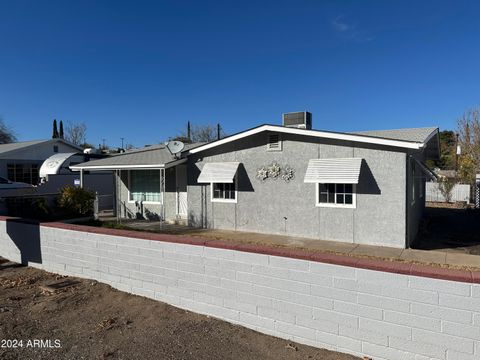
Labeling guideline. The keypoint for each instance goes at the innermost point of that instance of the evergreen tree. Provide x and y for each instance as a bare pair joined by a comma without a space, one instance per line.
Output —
55,131
61,130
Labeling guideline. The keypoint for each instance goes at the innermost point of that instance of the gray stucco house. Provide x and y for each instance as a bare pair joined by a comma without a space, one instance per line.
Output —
365,187
21,161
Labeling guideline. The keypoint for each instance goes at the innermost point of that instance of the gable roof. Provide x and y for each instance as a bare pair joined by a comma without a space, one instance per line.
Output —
410,134
411,139
150,157
21,145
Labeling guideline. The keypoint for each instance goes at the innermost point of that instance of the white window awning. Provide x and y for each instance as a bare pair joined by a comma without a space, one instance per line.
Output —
333,171
219,172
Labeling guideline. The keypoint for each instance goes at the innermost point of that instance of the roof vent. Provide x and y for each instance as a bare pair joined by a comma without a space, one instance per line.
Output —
300,119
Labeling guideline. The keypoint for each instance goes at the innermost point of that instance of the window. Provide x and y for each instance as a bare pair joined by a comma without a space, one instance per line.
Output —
27,173
336,195
144,185
224,192
274,142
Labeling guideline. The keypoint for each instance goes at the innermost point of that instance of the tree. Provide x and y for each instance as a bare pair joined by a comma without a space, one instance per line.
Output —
55,130
61,135
6,134
200,133
446,185
76,133
469,141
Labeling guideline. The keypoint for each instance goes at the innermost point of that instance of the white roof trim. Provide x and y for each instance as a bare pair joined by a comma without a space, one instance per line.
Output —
219,172
116,167
333,171
313,133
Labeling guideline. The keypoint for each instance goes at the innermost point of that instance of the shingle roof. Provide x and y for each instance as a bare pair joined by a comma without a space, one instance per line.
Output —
19,145
411,134
148,156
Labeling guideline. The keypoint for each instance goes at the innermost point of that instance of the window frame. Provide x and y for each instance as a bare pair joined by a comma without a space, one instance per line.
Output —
353,205
130,201
231,201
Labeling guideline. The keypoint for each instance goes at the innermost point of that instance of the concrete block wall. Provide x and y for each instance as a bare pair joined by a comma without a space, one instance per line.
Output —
358,311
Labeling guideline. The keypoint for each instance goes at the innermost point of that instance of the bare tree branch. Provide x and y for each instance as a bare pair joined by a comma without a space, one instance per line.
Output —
76,133
6,134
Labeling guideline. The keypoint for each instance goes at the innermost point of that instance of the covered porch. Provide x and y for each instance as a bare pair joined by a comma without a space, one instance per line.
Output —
149,184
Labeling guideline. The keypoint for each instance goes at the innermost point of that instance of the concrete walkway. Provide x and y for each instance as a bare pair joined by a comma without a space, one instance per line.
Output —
451,258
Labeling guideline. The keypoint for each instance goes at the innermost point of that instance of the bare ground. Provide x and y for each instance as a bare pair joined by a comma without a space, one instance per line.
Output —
93,321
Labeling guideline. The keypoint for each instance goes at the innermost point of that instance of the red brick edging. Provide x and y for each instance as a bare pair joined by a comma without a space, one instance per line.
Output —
435,272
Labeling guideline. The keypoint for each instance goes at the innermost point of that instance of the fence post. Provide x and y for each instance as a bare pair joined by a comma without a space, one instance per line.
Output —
477,191
95,206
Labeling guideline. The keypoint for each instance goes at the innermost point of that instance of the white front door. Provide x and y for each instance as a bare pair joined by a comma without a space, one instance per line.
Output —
181,202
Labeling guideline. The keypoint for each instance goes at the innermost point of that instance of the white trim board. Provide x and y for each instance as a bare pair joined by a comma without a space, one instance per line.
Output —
312,133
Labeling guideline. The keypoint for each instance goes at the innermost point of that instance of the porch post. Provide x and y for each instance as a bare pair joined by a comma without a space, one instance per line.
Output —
81,178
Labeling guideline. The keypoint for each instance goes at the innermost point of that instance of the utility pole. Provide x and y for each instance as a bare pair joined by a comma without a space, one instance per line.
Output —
103,140
122,141
218,131
189,132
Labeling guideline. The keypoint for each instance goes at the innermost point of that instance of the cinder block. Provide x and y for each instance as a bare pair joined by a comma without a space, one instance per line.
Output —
334,293
251,258
383,278
454,355
219,272
419,296
460,302
208,299
445,286
440,312
462,330
384,302
363,335
242,307
378,351
330,341
189,249
333,270
261,323
295,330
275,315
385,328
336,317
295,309
280,273
254,299
182,293
416,321
443,340
215,253
236,285
312,278
190,285
289,263
153,287
320,325
143,292
356,309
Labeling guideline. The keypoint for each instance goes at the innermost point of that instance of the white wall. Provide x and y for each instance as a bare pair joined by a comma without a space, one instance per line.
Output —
357,311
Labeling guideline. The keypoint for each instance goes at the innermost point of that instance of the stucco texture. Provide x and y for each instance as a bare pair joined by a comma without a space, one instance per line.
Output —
278,207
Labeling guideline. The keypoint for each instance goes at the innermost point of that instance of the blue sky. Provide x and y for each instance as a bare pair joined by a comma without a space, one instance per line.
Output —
142,69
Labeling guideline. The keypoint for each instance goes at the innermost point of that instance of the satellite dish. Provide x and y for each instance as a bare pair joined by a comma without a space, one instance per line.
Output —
175,147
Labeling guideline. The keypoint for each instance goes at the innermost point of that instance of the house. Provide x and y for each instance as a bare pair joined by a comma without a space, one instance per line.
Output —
365,187
21,161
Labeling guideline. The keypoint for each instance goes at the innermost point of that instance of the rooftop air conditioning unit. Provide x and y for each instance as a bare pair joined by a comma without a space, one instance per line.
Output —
300,119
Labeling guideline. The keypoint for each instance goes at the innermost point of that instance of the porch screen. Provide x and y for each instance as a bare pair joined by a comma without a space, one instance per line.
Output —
145,185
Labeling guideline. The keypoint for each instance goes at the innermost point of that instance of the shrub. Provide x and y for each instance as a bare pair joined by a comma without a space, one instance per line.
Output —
76,201
446,185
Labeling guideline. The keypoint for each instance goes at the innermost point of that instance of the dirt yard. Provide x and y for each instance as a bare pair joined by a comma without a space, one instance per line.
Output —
90,320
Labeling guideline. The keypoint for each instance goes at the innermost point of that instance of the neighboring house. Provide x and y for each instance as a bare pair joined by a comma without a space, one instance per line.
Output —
21,161
366,187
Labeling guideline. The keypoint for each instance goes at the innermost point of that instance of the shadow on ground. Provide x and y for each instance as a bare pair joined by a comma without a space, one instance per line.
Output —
448,228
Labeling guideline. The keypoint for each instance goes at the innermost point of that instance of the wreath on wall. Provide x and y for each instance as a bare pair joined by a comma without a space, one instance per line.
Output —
274,171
